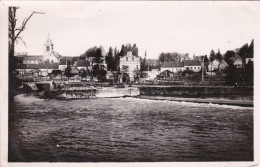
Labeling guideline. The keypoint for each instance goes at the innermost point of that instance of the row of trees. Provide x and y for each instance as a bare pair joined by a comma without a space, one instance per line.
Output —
175,56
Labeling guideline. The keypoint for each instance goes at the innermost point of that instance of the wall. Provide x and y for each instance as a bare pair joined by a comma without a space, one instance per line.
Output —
190,91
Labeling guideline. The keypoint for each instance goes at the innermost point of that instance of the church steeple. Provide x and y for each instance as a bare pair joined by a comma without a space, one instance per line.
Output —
48,45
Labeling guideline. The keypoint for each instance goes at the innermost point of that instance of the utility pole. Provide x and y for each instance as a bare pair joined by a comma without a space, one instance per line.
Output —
202,72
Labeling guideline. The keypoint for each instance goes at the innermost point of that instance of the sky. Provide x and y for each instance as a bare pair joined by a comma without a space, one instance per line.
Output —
155,27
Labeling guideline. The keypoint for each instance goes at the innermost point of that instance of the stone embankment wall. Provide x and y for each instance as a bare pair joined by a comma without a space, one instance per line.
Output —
197,91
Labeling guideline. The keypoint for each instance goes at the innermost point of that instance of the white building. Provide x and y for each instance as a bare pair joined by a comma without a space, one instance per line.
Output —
50,56
173,66
193,65
130,63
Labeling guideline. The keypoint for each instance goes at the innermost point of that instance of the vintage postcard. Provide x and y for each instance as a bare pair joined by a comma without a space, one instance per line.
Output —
127,83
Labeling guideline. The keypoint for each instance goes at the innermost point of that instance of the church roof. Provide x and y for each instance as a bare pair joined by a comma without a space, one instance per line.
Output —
56,54
33,57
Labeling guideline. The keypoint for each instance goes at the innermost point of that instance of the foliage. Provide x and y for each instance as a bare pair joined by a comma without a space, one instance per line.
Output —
99,72
173,56
110,60
218,56
187,72
82,73
212,55
67,71
228,57
232,75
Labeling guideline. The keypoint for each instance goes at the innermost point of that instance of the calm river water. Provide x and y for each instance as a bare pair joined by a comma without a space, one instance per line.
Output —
127,129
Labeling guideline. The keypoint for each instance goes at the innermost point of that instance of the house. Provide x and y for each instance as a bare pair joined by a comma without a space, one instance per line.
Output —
213,66
28,69
130,63
173,66
237,61
63,64
47,68
32,59
193,65
222,65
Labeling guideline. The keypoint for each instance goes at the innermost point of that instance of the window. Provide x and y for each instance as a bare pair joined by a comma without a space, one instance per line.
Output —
137,66
126,58
52,61
133,58
47,48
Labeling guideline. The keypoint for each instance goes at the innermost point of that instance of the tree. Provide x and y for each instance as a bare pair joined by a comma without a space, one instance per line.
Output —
67,71
206,59
82,73
212,55
110,60
117,60
232,75
218,56
135,50
249,73
123,51
14,33
228,56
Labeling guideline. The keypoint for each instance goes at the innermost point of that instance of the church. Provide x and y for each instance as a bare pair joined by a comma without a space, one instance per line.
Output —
49,55
44,63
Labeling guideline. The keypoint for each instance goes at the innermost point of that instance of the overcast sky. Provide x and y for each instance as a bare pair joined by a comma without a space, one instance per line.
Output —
184,27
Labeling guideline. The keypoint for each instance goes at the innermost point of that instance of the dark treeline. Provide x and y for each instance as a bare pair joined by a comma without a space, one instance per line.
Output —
173,56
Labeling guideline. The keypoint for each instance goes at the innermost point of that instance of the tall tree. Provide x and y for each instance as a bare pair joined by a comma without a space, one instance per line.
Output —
219,56
110,59
15,32
228,56
212,55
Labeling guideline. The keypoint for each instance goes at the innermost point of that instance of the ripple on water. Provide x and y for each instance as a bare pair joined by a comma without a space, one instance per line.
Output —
129,129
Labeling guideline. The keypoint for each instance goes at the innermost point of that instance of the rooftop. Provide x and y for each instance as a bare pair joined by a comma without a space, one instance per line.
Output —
191,63
169,64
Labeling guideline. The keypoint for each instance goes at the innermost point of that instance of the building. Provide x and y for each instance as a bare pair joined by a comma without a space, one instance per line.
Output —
130,63
213,66
36,59
237,61
173,66
63,64
193,65
47,68
50,56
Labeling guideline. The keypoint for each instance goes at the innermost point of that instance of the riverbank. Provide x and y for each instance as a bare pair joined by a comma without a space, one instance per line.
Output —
200,100
195,91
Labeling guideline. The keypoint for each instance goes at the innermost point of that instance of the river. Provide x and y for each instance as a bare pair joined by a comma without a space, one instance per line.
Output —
127,130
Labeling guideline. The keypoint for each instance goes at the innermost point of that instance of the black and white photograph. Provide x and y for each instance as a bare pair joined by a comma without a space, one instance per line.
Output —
129,81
